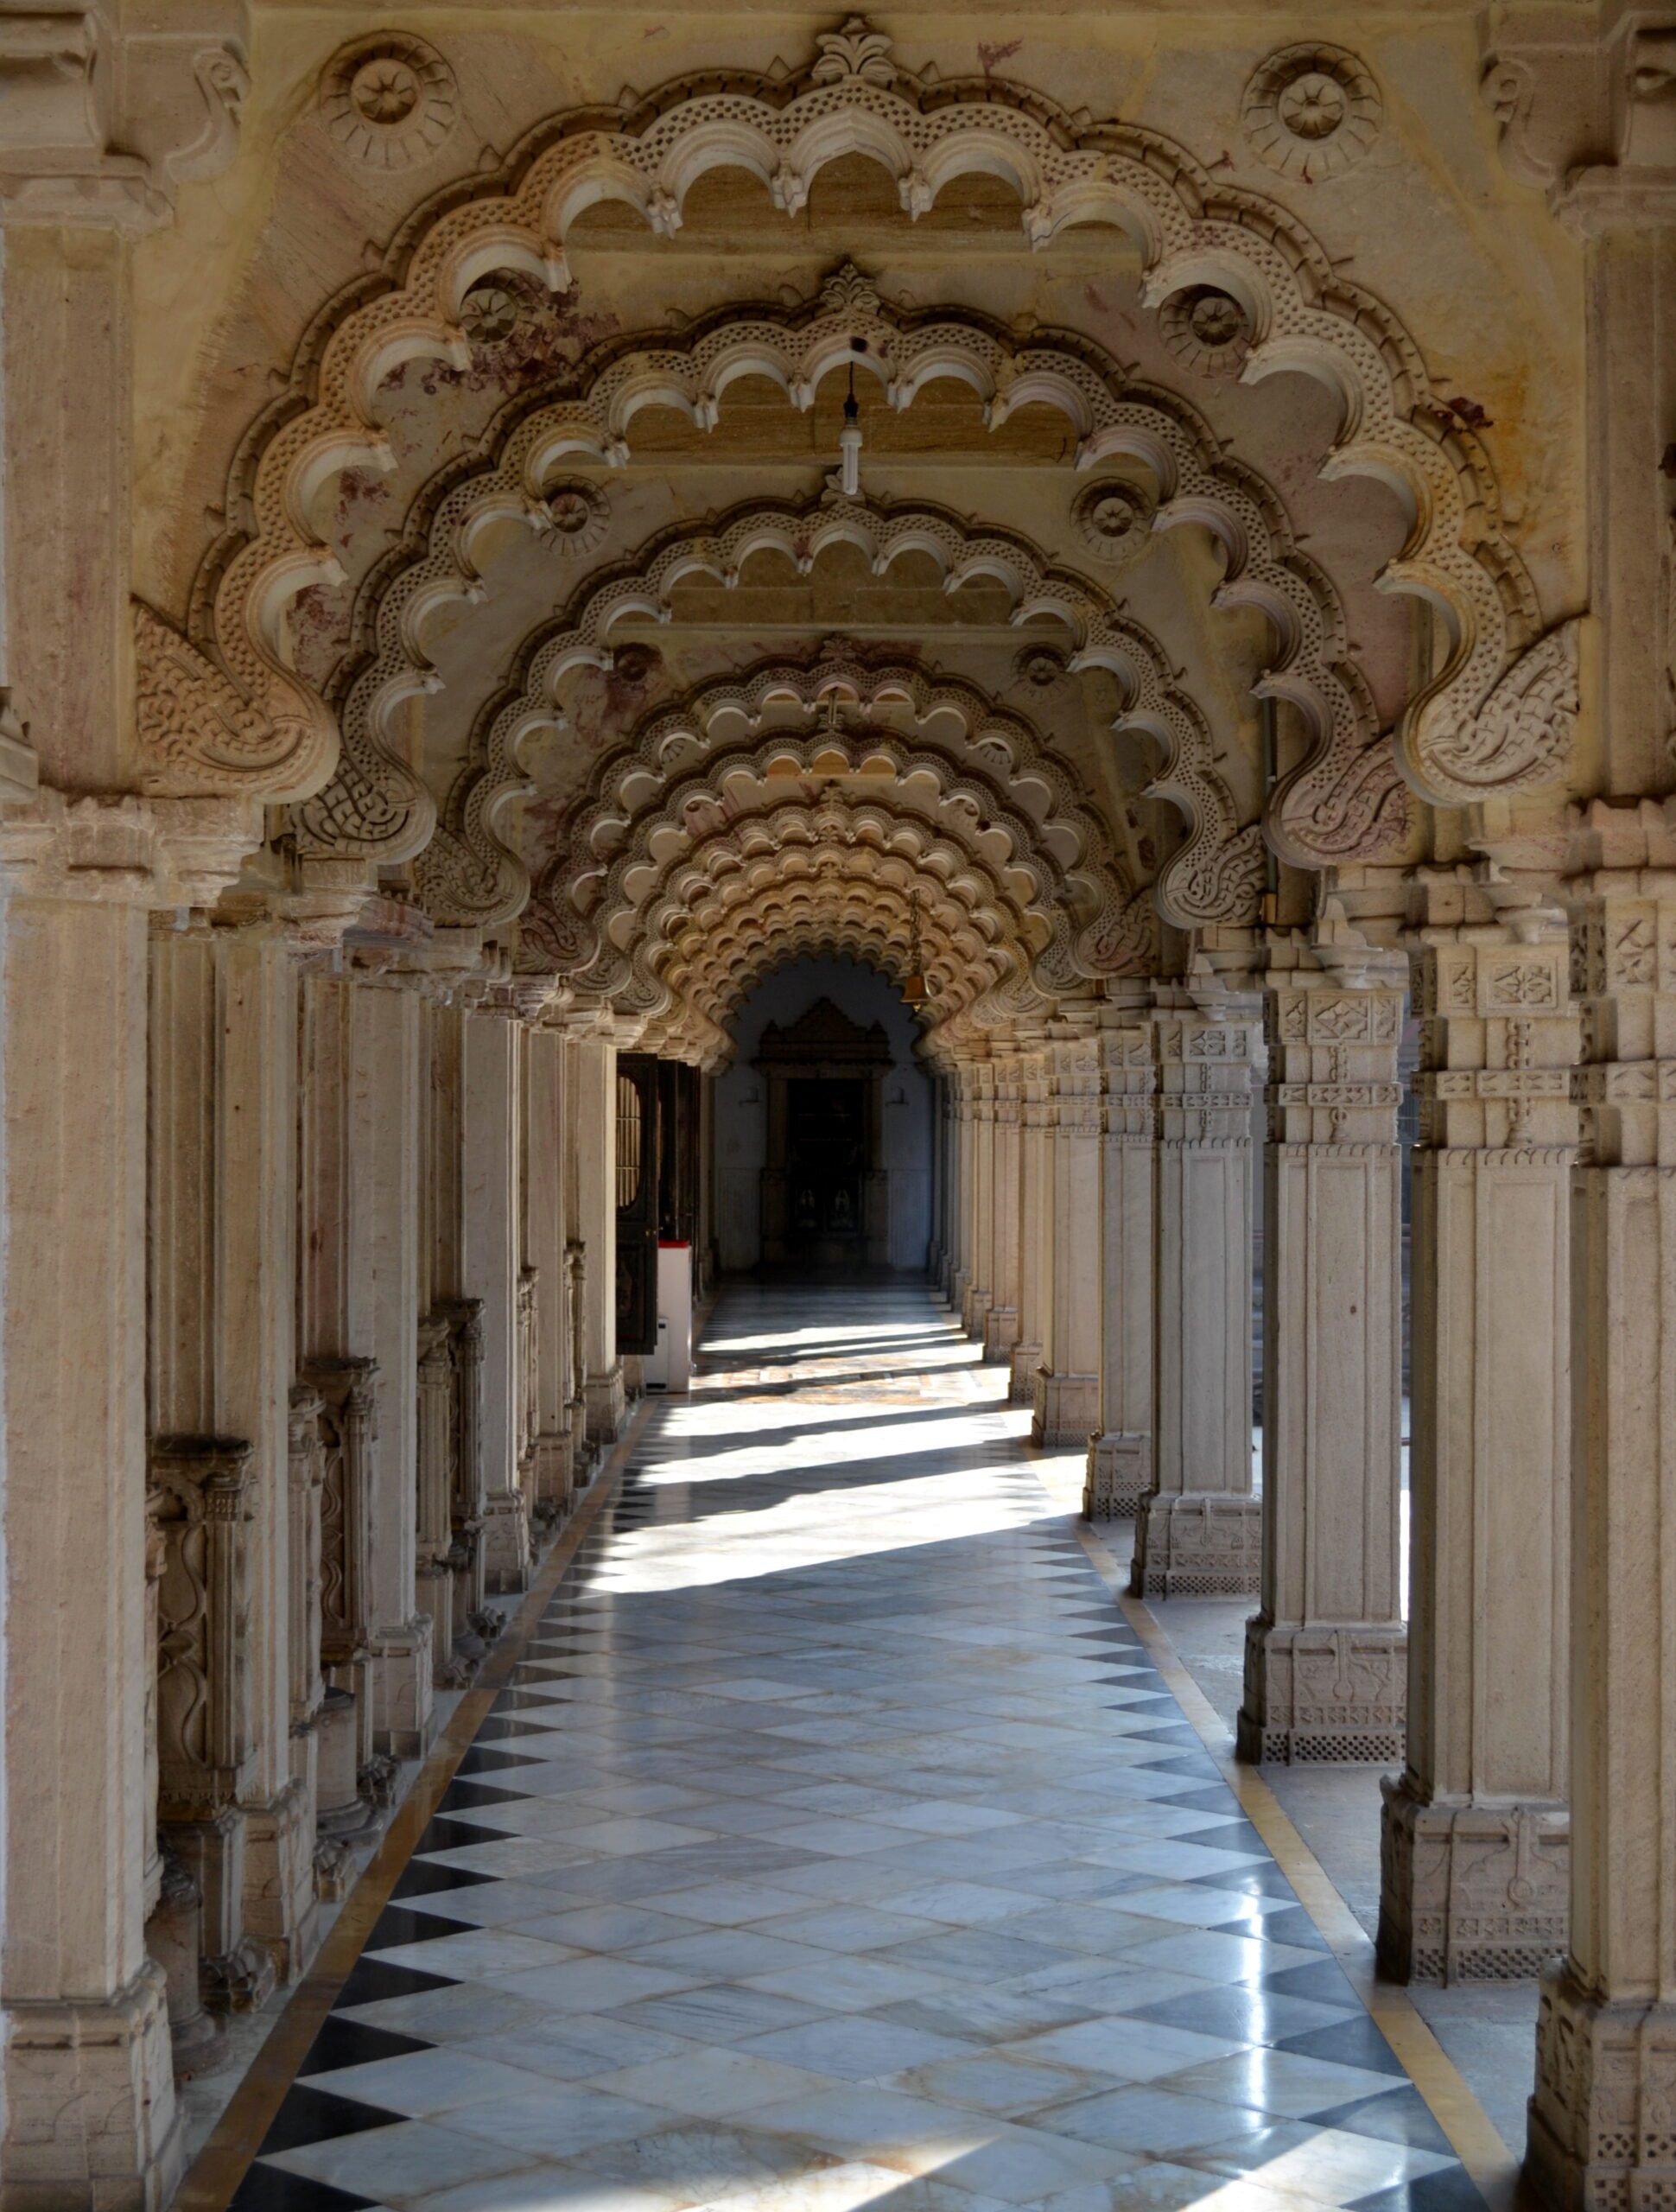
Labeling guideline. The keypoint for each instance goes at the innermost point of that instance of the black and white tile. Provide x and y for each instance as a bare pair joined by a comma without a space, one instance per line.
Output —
836,1844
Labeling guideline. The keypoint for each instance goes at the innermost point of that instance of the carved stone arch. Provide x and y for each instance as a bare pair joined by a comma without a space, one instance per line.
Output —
858,856
850,818
1345,800
851,97
469,875
719,908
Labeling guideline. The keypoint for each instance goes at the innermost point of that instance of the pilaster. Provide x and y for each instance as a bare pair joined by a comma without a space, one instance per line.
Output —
1474,1850
544,1244
1119,1468
965,1088
1035,1215
1197,1532
1325,1654
1066,1405
595,1155
491,1259
980,1292
1600,2121
1000,1323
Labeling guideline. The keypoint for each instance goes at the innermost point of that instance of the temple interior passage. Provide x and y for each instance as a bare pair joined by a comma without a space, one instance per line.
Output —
837,1105
835,1842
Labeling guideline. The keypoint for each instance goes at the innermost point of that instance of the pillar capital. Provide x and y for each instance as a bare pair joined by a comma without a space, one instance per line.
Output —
102,123
117,848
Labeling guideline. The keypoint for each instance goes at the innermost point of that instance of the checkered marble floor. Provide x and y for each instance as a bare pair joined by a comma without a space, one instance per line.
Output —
836,1844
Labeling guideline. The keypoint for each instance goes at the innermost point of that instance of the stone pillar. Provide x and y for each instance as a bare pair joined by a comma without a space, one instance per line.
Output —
1067,1396
575,1293
1197,1533
1119,1471
305,1685
981,1251
965,1102
385,1074
89,2099
1000,1325
1035,1217
949,1087
594,1120
491,1262
543,1243
1601,2132
1325,1654
223,1269
1474,1850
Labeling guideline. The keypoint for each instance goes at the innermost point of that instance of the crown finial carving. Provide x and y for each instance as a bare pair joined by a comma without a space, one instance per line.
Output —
856,51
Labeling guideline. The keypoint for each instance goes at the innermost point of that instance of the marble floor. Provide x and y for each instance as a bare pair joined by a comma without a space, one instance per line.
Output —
836,1843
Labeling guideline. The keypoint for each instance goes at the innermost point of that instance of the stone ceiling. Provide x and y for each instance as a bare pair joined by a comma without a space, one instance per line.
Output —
1217,453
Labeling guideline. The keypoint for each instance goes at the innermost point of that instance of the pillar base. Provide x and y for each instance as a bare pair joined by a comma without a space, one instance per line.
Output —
607,1404
91,2123
1120,1474
505,1541
1197,1544
1000,1333
282,1907
1324,1695
1470,1892
1021,1385
1601,2139
974,1311
399,1679
1066,1407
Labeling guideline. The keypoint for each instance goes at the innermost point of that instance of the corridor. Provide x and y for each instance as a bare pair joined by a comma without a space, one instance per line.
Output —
835,1842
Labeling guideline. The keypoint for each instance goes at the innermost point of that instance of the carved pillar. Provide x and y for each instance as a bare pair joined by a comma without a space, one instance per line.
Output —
966,1158
89,2101
1067,1398
351,1782
594,1120
575,1290
544,1241
1474,1849
1119,1471
382,1132
1035,1217
1198,1529
86,2094
1000,1325
1601,2132
937,1242
1325,1654
949,1089
436,1431
491,1264
305,1685
981,1249
205,1504
223,1265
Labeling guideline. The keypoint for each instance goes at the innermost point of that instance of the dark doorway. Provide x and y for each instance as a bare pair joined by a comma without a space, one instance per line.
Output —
825,1190
826,1137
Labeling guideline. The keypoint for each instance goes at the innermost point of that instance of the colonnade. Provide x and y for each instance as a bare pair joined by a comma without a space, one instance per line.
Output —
1524,1704
307,1357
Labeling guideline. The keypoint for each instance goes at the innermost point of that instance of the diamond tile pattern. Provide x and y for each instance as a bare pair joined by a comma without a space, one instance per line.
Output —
836,1844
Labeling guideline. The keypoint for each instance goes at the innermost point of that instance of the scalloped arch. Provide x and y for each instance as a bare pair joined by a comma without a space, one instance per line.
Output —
1067,169
1001,769
469,875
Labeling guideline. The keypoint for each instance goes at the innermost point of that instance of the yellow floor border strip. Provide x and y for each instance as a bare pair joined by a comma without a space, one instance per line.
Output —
233,2142
1476,2140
